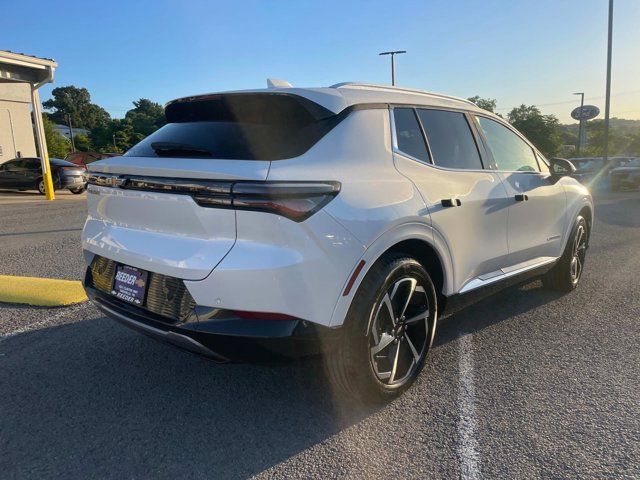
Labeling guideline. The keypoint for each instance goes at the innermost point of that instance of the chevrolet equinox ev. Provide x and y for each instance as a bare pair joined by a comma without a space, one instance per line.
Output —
343,220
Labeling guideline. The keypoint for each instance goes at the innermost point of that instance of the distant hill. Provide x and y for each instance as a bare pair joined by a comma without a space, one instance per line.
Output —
621,126
624,137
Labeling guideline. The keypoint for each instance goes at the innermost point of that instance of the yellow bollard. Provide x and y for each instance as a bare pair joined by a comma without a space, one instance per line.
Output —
48,181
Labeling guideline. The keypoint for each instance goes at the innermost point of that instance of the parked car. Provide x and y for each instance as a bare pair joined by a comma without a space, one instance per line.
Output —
627,175
26,174
347,219
587,169
85,158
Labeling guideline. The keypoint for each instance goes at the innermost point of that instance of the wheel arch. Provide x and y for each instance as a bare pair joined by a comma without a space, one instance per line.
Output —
587,213
416,240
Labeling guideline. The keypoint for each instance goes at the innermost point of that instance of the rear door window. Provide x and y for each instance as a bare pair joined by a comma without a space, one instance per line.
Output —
408,134
510,152
450,139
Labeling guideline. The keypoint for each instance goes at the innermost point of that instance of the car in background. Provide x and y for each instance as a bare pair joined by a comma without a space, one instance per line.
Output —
85,158
587,169
627,175
26,174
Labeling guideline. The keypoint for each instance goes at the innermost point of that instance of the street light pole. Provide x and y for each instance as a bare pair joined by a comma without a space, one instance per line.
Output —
608,92
393,63
73,143
581,124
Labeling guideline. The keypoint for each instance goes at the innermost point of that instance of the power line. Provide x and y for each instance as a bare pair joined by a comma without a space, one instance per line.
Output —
566,102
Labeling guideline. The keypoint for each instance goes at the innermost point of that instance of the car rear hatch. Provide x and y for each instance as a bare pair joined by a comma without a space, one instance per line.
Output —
165,205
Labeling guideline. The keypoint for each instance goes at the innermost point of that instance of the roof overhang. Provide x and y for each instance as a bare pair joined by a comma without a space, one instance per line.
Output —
15,67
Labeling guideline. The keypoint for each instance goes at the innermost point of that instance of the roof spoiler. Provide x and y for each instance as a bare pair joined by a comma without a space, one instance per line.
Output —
277,83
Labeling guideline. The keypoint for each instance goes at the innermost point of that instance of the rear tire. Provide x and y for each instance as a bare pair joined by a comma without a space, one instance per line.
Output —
77,191
40,186
387,333
566,274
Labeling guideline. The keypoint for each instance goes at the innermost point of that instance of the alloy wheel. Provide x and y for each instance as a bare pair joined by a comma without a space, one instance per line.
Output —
399,331
578,253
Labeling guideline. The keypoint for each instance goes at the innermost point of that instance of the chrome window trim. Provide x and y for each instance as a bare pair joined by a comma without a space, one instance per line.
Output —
396,150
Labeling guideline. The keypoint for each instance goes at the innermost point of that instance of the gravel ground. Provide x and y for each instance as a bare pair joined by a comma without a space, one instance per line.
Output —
526,384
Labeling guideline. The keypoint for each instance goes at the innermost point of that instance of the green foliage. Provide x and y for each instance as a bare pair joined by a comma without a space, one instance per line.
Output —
57,145
119,135
541,130
75,102
488,104
624,137
82,143
146,117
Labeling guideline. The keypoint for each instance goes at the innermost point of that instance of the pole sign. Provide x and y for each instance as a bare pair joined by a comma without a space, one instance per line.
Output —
586,112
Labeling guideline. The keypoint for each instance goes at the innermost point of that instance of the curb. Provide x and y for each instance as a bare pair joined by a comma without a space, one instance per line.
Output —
43,292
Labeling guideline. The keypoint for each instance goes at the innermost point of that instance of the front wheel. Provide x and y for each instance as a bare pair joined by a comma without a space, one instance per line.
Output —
566,274
388,332
77,191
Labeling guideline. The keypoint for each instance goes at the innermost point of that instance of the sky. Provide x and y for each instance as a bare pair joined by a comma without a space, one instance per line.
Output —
534,52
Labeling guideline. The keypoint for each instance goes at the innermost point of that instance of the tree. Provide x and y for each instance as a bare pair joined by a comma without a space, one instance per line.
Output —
76,102
82,143
634,144
541,130
595,140
146,116
488,104
57,145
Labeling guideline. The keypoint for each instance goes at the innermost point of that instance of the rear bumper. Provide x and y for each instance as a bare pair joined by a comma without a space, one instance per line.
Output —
72,182
215,334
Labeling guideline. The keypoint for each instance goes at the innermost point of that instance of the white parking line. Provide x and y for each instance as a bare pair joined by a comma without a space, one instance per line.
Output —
467,446
48,322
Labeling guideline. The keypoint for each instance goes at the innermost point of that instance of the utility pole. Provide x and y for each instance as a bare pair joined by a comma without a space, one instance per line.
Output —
393,63
607,103
581,124
114,141
73,143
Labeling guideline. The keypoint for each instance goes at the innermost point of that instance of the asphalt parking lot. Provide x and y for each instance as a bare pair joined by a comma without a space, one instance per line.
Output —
526,384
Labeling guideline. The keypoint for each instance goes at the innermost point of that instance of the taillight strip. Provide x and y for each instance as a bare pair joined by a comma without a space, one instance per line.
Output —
294,200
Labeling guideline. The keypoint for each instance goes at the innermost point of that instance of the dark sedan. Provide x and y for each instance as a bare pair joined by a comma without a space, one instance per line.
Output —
26,174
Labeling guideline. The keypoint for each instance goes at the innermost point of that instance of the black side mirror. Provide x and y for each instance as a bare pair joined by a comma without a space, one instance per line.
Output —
560,167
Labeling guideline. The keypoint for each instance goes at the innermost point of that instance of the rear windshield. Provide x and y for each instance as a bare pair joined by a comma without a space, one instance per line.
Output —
238,127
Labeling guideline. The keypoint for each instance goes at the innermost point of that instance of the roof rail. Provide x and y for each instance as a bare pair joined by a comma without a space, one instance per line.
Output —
399,89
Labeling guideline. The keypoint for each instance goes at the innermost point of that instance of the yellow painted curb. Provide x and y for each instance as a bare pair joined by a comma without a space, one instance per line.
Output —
44,292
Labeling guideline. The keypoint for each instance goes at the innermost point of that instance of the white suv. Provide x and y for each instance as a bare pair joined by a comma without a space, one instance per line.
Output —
346,218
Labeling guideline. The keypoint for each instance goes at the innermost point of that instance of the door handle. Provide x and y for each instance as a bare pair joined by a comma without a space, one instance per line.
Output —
521,197
451,202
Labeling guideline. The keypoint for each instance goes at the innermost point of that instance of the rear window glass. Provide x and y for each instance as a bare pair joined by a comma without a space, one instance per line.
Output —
450,139
408,134
238,127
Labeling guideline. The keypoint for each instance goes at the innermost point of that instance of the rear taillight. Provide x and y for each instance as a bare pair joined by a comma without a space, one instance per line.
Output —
294,200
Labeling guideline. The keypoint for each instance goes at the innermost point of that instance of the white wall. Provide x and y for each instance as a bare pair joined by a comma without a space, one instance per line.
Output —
16,130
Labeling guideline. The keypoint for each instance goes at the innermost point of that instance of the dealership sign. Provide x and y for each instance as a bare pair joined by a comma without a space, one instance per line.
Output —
586,112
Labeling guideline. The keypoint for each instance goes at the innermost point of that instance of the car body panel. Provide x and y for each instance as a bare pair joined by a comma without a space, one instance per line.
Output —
476,229
536,225
159,232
